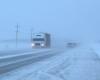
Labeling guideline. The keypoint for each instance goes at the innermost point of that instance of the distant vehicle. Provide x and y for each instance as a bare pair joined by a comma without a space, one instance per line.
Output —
71,44
41,40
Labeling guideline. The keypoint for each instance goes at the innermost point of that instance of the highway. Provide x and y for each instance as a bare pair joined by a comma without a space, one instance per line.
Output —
11,62
79,63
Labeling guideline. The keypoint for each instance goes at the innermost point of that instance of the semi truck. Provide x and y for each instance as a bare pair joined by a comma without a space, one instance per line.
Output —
41,40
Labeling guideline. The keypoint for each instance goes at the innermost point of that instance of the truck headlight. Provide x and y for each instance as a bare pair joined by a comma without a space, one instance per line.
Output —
33,44
42,44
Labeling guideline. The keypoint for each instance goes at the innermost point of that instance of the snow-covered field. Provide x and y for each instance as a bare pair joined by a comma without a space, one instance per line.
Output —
81,63
12,45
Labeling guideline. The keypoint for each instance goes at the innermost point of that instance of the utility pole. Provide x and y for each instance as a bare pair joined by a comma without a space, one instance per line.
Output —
17,34
31,33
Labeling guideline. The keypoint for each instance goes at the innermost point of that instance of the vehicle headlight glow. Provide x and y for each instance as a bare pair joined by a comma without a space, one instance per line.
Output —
42,45
33,44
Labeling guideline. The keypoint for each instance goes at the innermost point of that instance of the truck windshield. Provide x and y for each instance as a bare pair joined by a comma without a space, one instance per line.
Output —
38,39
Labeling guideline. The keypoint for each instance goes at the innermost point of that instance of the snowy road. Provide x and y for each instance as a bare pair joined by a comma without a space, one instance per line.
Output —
75,64
17,51
78,64
11,62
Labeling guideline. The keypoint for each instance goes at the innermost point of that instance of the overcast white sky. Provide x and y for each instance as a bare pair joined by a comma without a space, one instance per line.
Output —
65,19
